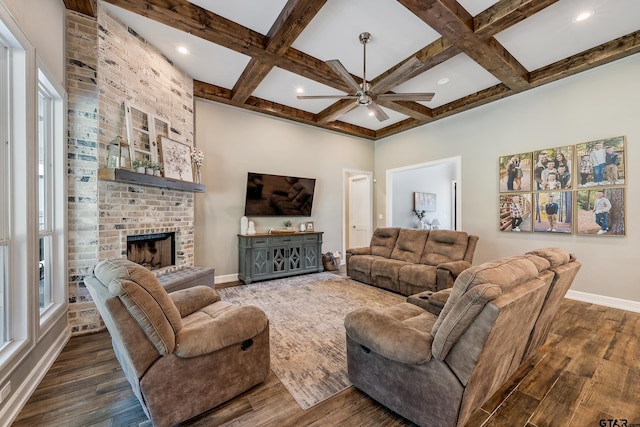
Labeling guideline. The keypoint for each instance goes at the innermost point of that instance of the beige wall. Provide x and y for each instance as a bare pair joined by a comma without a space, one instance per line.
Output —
596,104
235,142
35,15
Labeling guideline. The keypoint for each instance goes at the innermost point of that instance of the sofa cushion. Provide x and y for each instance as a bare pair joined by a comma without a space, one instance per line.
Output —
414,278
410,245
383,241
444,246
555,256
400,332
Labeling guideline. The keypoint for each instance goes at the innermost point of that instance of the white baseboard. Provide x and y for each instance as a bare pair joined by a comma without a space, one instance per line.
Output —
24,391
622,304
226,278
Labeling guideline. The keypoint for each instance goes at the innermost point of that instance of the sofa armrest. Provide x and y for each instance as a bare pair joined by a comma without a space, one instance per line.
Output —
364,250
433,302
193,299
388,336
447,272
222,326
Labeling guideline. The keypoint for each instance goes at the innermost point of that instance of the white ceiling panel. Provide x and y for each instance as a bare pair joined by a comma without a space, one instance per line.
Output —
281,86
465,77
206,61
256,15
551,34
395,34
474,7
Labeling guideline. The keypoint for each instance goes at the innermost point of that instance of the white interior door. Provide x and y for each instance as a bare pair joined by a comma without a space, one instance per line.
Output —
359,211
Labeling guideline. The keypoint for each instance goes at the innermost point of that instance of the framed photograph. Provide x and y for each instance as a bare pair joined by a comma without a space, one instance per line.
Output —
601,162
553,212
309,225
424,202
553,168
515,212
601,211
176,159
515,172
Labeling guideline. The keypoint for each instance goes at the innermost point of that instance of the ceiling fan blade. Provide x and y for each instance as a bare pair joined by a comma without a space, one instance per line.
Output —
327,97
377,111
337,66
400,75
428,96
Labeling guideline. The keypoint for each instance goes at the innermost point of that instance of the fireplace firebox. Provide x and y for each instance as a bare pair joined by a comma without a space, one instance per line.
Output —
153,251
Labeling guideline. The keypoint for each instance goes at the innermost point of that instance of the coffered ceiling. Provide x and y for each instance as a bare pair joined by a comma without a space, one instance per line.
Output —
256,54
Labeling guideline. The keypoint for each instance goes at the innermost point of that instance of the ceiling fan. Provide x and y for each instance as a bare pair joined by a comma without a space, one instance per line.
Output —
365,94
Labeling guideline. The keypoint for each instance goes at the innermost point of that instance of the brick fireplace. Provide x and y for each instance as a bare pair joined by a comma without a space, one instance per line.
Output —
107,64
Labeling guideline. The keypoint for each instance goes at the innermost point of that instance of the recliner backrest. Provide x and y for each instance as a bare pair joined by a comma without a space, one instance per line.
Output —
144,298
383,241
445,246
472,290
410,245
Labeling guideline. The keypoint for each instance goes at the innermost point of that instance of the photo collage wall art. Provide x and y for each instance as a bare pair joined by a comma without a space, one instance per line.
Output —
568,189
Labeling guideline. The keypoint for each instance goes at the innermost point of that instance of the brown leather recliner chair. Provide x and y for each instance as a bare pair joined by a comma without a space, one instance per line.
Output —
437,369
184,352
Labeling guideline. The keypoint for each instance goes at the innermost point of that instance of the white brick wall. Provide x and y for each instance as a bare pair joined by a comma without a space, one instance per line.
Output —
107,63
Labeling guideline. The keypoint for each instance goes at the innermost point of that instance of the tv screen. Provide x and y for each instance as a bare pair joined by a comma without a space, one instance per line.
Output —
277,195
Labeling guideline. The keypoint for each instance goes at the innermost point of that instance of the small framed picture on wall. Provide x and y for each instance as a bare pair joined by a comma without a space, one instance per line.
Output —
601,162
514,172
601,211
515,212
553,168
553,212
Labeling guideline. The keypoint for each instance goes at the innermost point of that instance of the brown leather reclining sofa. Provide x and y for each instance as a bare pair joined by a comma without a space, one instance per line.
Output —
410,261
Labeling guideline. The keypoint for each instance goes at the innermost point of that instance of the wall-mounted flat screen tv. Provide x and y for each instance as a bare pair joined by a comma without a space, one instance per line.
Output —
277,195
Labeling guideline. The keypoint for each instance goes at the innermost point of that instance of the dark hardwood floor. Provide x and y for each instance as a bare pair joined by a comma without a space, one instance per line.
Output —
588,370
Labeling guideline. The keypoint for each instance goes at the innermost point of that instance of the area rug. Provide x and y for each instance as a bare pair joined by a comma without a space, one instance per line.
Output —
306,318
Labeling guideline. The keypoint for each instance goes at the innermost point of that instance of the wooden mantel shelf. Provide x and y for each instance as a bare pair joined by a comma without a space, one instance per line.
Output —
130,177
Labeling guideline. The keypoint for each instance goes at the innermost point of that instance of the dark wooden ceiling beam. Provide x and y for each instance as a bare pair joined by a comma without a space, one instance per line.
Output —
505,14
408,108
85,7
603,54
335,110
293,19
455,24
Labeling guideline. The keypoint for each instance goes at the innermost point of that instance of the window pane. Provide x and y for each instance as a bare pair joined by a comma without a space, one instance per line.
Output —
44,170
44,267
3,295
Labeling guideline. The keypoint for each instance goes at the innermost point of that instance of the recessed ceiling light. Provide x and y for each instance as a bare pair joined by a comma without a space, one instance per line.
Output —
300,90
183,50
583,16
443,81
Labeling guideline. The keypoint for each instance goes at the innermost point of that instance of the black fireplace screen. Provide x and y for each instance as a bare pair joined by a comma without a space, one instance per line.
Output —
152,250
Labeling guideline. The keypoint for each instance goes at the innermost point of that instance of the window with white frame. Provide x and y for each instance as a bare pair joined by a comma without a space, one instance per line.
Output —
5,207
51,196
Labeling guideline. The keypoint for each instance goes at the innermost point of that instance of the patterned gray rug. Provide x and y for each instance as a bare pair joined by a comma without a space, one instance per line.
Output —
306,315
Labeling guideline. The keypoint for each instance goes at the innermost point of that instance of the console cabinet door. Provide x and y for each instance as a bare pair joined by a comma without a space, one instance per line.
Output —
268,257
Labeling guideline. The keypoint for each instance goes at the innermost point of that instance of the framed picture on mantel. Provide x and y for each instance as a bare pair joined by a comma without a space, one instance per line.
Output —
176,159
